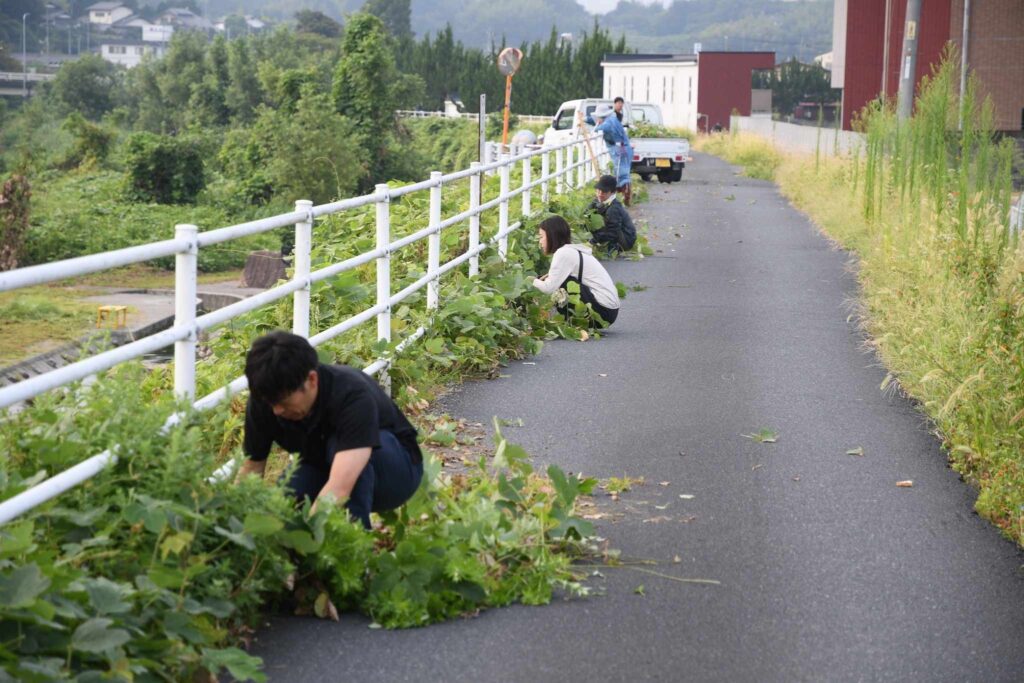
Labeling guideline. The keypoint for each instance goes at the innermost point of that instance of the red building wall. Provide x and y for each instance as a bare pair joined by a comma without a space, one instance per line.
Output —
723,84
865,46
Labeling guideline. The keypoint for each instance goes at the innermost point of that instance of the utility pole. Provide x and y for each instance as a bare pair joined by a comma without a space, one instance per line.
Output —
908,62
963,58
24,58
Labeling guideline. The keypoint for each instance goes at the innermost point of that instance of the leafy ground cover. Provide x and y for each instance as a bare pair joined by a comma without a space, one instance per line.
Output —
925,208
153,571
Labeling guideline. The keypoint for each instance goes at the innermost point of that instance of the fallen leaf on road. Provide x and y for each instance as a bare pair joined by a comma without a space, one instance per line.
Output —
687,519
676,559
602,374
661,507
763,435
639,590
657,520
664,483
796,478
758,465
859,450
682,453
686,496
526,363
906,484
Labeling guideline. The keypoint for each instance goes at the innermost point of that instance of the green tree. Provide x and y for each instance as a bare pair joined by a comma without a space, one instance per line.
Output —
365,76
311,153
243,92
311,21
396,15
86,86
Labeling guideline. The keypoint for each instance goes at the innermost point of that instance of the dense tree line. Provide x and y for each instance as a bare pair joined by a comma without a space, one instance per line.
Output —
552,70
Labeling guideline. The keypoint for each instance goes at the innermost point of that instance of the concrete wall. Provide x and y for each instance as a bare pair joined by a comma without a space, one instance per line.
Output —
790,137
671,85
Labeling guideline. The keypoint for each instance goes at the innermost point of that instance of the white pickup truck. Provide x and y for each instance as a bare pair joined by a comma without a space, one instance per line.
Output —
661,157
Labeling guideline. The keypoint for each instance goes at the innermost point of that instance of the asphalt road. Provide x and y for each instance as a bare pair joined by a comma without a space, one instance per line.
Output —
828,571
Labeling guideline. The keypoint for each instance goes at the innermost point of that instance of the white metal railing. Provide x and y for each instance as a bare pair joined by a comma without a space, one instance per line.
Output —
30,76
188,241
469,116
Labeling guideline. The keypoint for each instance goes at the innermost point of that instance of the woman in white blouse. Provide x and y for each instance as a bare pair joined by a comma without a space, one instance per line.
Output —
574,263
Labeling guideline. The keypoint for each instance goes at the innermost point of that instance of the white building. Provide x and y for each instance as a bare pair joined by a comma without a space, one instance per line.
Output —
130,53
157,33
107,13
669,81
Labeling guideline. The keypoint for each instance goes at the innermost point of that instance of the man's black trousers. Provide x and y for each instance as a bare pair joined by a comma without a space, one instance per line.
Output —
388,480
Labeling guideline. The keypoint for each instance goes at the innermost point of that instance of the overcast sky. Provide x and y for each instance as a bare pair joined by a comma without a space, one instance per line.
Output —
602,6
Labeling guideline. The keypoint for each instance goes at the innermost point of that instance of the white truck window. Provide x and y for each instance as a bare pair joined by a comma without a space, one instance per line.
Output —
565,119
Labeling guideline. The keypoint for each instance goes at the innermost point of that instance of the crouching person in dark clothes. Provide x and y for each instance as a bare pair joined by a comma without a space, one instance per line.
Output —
353,441
618,232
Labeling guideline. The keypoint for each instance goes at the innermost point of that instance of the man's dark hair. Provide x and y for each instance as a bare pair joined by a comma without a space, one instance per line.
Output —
278,364
617,100
557,231
606,183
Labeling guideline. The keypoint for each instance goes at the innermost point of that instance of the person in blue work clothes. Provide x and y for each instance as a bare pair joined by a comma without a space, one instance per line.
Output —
619,147
354,444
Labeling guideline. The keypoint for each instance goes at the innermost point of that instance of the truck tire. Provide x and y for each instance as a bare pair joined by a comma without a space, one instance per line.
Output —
646,177
665,176
677,174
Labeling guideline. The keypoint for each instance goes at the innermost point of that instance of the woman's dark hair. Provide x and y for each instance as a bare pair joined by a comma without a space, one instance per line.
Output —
557,232
278,364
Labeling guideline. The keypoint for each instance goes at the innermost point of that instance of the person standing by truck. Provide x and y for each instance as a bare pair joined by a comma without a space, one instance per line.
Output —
617,104
618,146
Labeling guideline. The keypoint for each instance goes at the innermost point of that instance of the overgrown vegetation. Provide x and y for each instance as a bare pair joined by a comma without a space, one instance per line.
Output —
153,571
757,157
926,207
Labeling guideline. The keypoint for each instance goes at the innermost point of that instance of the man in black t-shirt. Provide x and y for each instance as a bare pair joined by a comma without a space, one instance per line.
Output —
353,441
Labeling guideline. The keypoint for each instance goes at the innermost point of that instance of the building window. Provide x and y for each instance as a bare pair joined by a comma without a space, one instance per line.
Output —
138,50
664,89
632,95
623,86
689,96
118,50
647,98
673,99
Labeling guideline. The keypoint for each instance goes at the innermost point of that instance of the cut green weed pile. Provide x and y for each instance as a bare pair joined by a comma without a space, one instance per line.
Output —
926,208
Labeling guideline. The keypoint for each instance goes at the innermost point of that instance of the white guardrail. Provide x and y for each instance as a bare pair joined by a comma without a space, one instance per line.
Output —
570,158
469,116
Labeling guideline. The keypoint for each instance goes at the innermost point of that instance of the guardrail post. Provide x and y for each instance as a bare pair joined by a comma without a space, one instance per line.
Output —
383,208
560,170
474,220
434,240
503,208
527,178
186,265
303,245
581,169
545,169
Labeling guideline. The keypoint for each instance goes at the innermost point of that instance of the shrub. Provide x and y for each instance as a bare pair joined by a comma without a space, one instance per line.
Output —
92,142
163,169
15,196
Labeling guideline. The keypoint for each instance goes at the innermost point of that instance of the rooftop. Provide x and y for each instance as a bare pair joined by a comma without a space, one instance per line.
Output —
106,5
